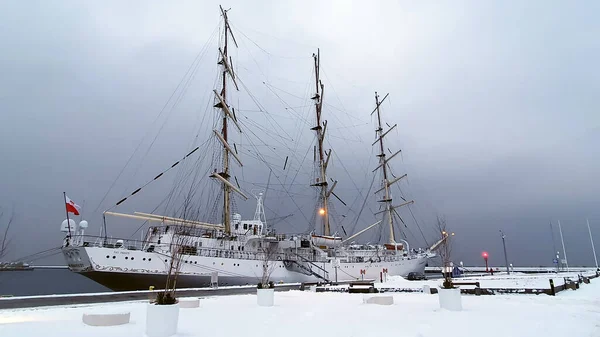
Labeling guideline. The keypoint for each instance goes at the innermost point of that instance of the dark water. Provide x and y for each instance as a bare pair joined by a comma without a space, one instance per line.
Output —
46,282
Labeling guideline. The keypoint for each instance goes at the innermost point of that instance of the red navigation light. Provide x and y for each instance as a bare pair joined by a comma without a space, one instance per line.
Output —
485,255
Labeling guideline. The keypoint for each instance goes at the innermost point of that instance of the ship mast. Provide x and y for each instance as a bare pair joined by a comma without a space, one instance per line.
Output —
321,158
222,135
383,165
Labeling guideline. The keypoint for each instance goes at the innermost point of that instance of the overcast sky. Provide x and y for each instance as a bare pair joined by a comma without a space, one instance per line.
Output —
496,106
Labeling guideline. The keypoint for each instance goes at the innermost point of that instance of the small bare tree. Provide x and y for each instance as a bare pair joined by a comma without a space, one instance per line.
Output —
268,251
4,239
181,245
445,252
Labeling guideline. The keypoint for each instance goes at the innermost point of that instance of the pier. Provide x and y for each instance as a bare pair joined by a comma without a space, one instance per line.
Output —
501,269
124,296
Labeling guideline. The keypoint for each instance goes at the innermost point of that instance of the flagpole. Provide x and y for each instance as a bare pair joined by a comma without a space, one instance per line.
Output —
592,240
67,210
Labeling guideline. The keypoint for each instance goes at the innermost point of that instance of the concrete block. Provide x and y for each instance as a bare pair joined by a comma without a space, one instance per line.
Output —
106,319
381,300
189,302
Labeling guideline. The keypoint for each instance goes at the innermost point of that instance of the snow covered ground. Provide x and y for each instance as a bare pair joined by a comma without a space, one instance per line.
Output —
570,313
497,281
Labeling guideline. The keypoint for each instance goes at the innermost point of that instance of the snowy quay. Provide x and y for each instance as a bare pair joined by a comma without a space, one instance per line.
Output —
569,313
525,270
486,284
123,296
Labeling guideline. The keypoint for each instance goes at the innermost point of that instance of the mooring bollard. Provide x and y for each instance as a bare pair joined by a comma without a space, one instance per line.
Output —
552,292
151,295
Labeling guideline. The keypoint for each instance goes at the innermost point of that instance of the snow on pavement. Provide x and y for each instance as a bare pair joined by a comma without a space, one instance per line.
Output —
296,313
497,281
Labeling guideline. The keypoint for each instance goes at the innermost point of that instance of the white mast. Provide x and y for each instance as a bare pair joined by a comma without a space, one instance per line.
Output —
563,245
259,214
592,240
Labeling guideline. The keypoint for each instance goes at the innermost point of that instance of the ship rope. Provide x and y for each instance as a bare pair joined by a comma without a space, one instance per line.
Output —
40,255
185,78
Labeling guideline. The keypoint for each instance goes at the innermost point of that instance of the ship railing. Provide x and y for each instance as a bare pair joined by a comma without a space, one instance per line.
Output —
107,242
236,254
305,260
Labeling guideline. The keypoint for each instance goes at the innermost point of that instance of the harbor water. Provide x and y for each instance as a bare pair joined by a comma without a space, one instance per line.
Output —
46,282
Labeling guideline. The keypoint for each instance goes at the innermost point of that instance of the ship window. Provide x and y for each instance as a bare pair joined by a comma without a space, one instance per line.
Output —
126,258
107,256
250,226
149,259
237,226
114,257
144,259
242,248
245,226
132,258
231,247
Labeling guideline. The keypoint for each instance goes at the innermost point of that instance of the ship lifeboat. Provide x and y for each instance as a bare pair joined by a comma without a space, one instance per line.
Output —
394,246
326,241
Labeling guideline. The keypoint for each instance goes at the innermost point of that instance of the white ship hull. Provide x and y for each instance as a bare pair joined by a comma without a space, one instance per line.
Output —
122,269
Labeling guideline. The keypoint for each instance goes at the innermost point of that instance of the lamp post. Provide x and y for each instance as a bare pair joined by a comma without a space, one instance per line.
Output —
563,245
505,256
592,240
485,257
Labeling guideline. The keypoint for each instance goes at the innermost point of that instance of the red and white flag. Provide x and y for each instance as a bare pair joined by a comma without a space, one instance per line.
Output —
72,207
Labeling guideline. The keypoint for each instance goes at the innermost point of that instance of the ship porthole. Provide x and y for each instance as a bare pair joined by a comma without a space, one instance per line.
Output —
108,256
114,257
144,259
126,258
132,258
150,259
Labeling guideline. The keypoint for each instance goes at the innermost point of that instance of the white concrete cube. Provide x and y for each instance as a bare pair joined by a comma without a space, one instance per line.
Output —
381,300
189,302
106,319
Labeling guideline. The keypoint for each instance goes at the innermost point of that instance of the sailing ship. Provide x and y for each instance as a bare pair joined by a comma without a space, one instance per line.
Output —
233,252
